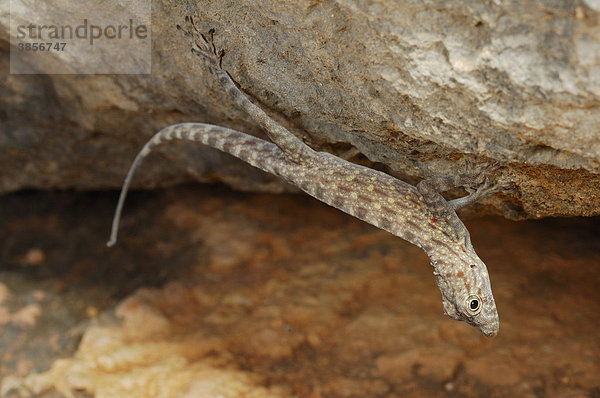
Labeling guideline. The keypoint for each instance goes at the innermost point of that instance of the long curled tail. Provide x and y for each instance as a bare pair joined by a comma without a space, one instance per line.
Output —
257,152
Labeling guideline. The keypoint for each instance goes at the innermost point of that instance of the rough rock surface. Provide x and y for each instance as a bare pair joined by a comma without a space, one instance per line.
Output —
212,293
411,85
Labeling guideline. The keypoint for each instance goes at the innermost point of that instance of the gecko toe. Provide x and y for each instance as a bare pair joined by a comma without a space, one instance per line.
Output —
509,187
203,44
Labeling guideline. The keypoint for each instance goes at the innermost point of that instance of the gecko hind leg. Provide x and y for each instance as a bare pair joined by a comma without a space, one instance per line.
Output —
204,47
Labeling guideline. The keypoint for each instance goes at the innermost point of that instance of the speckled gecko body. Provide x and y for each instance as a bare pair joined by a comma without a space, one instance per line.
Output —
418,214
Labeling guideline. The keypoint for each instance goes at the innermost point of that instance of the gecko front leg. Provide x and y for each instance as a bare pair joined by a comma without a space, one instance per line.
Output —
484,189
444,212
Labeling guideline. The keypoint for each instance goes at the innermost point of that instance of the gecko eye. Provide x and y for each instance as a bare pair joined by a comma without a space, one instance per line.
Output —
474,304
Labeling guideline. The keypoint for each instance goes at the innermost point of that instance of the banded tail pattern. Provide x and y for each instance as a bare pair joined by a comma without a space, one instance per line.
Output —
259,153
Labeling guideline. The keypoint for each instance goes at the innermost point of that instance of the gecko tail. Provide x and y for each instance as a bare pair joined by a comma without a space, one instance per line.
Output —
163,135
236,143
134,166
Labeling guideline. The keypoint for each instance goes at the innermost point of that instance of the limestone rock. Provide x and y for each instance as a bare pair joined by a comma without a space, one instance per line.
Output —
412,86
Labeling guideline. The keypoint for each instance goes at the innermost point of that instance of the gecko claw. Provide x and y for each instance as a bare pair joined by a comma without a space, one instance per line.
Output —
221,55
509,187
479,173
203,45
191,21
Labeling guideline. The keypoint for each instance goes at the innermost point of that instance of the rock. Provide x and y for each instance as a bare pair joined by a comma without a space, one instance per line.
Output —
412,87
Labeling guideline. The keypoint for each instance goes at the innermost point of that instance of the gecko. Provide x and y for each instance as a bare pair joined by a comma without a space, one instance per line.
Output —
418,214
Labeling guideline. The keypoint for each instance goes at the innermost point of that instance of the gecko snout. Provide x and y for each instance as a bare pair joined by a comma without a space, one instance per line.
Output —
490,330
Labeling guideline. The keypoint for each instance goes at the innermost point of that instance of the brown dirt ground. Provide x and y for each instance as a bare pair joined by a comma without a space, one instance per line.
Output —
215,293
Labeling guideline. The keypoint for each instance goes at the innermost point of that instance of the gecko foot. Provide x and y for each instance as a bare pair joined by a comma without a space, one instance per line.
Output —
508,188
476,175
203,45
477,182
484,189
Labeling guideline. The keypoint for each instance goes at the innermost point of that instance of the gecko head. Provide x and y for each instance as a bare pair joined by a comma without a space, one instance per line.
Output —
467,296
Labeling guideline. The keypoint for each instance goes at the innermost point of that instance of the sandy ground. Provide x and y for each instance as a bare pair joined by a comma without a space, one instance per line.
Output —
212,293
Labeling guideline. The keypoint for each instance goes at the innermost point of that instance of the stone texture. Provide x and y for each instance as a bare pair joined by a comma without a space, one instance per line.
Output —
411,85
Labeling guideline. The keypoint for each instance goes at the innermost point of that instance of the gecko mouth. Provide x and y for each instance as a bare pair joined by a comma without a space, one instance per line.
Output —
490,329
489,333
